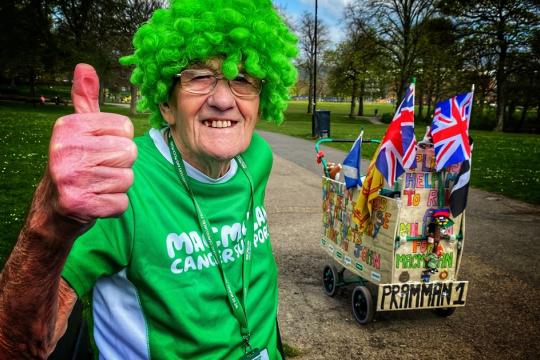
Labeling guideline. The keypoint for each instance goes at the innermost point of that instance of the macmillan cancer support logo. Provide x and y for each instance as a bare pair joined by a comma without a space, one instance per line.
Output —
189,251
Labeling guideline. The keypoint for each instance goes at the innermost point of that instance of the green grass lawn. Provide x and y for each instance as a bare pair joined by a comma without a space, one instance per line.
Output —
508,164
24,134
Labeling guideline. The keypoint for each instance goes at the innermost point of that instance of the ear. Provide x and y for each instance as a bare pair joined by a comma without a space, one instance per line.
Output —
167,113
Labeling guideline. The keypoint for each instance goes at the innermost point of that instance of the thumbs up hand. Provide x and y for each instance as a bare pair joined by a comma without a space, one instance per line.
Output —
90,156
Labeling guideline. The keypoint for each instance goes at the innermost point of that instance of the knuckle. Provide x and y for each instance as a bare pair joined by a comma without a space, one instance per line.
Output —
132,151
122,203
67,203
128,127
128,178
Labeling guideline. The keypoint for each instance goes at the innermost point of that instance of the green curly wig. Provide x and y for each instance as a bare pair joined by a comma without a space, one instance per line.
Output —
248,32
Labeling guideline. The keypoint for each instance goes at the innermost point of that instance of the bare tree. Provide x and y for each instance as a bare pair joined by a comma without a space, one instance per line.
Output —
398,25
306,33
501,27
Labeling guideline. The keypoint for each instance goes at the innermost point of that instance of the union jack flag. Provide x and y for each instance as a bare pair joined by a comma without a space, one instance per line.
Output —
398,148
450,130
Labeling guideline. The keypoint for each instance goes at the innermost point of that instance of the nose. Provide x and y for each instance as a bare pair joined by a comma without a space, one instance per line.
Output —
222,97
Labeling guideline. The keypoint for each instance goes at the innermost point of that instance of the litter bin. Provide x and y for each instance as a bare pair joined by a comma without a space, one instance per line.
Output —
322,125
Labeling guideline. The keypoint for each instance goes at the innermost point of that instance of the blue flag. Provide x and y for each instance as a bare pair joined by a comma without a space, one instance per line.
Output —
351,164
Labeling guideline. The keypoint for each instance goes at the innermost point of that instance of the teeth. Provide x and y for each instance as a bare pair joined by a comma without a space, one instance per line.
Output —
218,123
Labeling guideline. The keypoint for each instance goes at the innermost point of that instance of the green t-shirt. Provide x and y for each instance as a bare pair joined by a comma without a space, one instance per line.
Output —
157,292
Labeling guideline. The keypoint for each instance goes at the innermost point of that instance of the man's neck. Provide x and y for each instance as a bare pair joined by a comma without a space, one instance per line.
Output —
212,168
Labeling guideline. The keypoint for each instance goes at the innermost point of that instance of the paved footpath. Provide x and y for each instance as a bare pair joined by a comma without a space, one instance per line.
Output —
501,261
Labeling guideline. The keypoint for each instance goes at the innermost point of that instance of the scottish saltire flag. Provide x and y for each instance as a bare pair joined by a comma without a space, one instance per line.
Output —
450,130
398,148
460,190
351,164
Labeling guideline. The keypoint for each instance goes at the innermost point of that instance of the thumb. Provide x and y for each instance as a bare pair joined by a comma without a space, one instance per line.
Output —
85,89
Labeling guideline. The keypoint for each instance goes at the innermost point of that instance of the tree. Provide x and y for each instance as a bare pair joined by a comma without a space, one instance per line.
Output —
439,63
398,24
306,33
343,75
523,85
351,65
502,27
365,53
28,44
135,12
100,32
89,30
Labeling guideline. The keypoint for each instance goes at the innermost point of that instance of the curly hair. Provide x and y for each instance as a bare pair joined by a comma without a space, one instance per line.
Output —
248,32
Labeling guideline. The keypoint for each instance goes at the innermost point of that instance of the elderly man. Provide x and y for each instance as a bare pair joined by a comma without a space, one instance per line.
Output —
168,231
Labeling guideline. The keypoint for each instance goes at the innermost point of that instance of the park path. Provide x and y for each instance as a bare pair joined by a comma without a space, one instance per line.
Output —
374,120
500,260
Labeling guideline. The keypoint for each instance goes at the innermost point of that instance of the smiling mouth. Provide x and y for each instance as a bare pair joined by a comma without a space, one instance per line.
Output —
219,124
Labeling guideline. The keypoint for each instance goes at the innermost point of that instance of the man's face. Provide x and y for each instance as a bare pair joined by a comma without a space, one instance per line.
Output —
211,127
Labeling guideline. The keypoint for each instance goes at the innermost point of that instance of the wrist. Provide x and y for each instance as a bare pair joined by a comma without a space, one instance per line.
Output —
47,223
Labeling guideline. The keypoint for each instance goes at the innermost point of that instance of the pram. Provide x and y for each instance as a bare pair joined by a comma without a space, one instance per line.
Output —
409,256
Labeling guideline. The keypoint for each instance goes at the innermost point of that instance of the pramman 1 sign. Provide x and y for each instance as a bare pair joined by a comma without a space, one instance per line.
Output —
421,295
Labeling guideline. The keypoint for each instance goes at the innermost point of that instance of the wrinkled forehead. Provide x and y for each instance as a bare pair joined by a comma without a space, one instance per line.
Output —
213,64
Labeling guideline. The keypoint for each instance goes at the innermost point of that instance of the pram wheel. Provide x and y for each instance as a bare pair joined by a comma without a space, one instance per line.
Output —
362,305
330,280
444,312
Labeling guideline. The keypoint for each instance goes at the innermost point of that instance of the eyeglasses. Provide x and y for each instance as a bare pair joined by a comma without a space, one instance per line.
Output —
204,81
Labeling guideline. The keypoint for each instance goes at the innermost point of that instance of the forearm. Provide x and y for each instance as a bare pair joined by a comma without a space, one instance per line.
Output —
29,283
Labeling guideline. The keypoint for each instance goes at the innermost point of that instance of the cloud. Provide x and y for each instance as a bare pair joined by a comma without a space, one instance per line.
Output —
335,33
331,8
331,11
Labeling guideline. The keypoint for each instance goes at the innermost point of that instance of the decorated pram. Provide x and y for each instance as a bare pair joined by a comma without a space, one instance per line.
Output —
409,255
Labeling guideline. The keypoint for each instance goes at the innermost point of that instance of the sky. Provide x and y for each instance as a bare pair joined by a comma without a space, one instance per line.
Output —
330,11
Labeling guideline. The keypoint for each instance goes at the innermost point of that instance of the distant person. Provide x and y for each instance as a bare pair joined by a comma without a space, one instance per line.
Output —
168,233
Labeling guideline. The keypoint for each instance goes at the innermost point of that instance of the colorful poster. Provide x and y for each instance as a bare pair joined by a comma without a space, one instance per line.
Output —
370,254
411,239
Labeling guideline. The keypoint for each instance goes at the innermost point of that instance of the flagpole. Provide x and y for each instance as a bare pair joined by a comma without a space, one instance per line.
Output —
472,100
314,126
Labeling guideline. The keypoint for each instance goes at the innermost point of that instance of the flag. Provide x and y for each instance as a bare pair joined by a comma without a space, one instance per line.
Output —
370,190
398,148
351,164
460,190
450,130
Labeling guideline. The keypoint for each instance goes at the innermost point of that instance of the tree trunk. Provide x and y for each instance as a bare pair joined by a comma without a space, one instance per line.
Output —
501,82
353,98
310,92
400,91
420,100
32,75
519,127
133,102
428,113
510,114
101,91
361,98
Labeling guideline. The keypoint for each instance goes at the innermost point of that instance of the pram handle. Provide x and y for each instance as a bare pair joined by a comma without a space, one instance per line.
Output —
320,154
